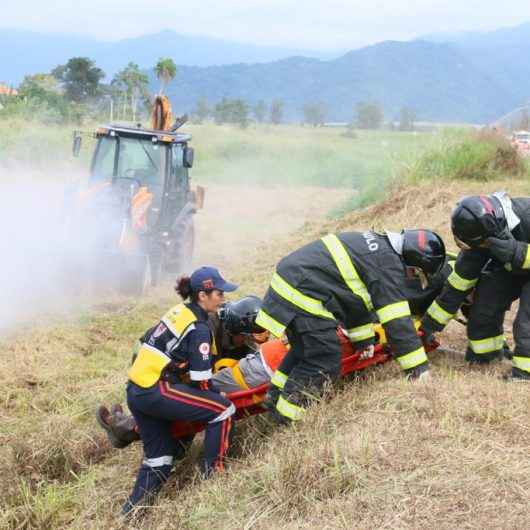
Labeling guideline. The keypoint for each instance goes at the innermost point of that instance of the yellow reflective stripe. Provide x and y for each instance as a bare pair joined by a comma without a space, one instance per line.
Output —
412,359
459,283
279,379
267,322
526,264
360,333
488,345
238,377
438,313
299,299
347,270
289,410
523,363
392,311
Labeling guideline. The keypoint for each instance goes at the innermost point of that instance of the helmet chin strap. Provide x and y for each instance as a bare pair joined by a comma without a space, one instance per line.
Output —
396,241
506,203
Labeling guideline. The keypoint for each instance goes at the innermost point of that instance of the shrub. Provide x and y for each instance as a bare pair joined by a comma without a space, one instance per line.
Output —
481,156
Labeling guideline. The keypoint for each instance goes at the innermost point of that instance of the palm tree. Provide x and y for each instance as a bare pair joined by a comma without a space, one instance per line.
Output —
165,70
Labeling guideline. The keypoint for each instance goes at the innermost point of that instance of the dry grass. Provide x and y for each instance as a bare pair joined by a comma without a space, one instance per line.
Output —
379,453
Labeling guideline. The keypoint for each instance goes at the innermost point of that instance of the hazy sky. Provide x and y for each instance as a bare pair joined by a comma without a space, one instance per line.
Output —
309,24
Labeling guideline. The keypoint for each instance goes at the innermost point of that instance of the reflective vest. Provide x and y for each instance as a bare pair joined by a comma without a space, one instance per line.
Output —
150,362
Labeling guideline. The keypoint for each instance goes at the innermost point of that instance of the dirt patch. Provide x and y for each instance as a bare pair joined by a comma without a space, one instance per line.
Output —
236,220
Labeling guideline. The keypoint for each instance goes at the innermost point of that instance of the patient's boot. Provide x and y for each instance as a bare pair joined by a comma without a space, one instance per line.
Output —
120,428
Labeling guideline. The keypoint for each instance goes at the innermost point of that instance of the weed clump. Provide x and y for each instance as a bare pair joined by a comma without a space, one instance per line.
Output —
480,156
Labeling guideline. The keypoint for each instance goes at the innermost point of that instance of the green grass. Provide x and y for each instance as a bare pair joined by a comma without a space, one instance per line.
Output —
294,155
260,155
481,156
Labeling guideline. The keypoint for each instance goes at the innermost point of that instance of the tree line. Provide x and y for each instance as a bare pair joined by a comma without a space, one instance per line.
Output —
237,111
75,90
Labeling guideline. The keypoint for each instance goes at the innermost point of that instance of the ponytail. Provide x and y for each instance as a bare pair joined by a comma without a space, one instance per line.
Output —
183,287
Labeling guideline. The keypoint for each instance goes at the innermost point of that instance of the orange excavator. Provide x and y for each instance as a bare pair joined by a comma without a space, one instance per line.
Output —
134,217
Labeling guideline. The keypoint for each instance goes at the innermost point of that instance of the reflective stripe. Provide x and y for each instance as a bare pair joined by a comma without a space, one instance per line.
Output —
226,414
299,299
279,379
347,269
200,375
360,333
412,359
158,462
393,311
523,363
488,345
267,322
289,410
438,313
459,283
526,264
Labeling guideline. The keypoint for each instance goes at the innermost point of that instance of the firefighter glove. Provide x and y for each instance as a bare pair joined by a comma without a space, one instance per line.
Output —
503,250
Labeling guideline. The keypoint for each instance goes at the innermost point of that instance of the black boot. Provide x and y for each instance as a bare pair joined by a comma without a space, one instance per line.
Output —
517,376
148,483
271,397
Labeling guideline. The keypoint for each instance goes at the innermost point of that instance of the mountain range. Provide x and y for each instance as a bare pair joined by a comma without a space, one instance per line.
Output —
472,76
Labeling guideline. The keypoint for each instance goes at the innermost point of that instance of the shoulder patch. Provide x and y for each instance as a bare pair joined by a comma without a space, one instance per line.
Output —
204,348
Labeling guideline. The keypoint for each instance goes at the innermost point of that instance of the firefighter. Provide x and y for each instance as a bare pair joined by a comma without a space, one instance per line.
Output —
256,368
493,232
170,380
344,277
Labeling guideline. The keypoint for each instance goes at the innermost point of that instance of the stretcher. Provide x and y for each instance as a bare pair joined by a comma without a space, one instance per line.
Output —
250,402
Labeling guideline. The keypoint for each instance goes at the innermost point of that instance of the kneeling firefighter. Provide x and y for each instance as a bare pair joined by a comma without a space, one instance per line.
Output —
170,380
344,277
493,233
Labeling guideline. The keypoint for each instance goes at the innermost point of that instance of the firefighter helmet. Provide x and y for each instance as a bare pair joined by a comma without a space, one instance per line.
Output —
424,250
476,218
240,316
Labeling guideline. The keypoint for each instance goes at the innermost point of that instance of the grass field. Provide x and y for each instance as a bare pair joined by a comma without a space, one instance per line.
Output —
378,453
264,155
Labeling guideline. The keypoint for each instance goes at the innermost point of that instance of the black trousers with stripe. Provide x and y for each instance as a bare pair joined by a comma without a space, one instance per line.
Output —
155,408
313,359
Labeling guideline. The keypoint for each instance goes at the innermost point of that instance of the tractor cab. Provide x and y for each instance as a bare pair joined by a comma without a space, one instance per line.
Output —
152,165
138,204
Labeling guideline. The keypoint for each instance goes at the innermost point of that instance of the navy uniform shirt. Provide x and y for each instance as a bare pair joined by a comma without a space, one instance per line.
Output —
192,354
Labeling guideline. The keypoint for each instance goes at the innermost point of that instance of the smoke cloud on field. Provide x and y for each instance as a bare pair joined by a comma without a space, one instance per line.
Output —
33,279
48,262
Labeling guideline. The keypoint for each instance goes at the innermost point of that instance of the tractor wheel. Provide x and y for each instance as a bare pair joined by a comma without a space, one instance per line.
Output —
155,262
182,256
135,276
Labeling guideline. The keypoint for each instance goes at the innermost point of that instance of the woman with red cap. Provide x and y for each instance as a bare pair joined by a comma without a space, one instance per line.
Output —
170,380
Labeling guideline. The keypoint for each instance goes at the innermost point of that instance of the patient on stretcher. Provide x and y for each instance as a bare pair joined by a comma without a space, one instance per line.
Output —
253,370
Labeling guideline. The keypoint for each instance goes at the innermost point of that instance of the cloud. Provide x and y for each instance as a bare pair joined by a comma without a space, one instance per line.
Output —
313,24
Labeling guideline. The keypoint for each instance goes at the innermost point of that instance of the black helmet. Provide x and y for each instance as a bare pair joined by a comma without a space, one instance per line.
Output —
240,316
423,249
476,218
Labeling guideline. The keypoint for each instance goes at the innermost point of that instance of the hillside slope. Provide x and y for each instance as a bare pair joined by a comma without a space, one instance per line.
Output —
379,453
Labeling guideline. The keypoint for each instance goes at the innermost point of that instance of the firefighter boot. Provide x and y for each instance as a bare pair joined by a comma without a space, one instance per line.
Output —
517,376
271,397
